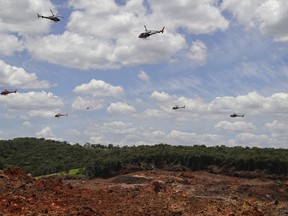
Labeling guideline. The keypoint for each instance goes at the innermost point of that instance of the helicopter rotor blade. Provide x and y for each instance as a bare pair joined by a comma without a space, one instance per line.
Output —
52,12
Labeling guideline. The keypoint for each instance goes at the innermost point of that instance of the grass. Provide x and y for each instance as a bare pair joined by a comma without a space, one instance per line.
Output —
73,173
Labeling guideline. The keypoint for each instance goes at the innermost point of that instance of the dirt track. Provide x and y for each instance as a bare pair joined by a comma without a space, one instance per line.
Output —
143,193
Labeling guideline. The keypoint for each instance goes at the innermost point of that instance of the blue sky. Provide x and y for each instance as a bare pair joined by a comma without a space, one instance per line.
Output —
215,57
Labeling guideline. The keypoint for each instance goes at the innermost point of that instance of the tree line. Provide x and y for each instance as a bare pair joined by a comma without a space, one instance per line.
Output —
41,157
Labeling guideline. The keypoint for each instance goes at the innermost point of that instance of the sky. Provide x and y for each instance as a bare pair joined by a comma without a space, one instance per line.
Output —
216,57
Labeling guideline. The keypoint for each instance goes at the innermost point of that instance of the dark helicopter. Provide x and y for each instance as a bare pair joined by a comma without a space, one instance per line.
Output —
53,17
148,33
236,115
58,115
178,107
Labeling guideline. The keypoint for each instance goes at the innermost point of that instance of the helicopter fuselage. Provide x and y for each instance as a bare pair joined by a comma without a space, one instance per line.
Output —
53,18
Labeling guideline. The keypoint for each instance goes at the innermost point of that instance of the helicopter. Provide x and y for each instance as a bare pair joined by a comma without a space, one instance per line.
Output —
236,115
58,115
148,33
53,17
178,107
5,92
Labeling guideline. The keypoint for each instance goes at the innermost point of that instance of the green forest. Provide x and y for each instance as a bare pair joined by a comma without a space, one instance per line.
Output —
42,157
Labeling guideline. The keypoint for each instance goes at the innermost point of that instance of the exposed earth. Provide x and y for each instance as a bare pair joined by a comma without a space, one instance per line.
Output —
143,193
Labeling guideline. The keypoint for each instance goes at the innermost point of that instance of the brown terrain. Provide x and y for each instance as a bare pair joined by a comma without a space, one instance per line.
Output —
143,193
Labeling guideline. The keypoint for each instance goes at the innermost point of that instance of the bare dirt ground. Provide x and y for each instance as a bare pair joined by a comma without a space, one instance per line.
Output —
143,193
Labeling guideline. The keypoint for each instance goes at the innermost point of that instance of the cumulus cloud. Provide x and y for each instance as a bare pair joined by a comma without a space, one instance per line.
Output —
198,52
279,131
16,28
123,133
99,88
43,113
142,75
114,127
190,138
235,126
277,127
253,140
88,51
82,103
166,101
269,16
32,100
252,102
121,108
10,20
102,36
11,45
154,113
27,124
18,77
46,133
206,16
160,96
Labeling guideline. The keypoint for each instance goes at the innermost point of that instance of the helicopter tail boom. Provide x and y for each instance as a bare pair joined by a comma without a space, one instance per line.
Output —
39,16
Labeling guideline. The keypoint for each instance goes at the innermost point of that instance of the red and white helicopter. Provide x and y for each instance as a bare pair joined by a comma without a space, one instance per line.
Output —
58,115
148,33
6,92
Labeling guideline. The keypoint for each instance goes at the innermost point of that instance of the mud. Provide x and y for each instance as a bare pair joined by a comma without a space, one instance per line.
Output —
143,193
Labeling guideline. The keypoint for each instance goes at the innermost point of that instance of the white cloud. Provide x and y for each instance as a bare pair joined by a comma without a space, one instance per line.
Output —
96,140
91,52
20,16
19,78
27,125
18,21
43,113
32,100
143,76
279,131
1,135
160,96
198,52
203,15
277,127
122,133
46,133
188,138
82,103
99,88
102,36
121,108
253,140
112,128
154,113
253,102
269,16
11,45
235,126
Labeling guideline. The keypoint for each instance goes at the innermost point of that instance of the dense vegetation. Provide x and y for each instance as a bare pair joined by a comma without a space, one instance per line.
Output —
40,157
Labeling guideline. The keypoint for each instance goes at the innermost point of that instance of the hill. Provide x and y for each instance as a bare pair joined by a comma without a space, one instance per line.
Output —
41,157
